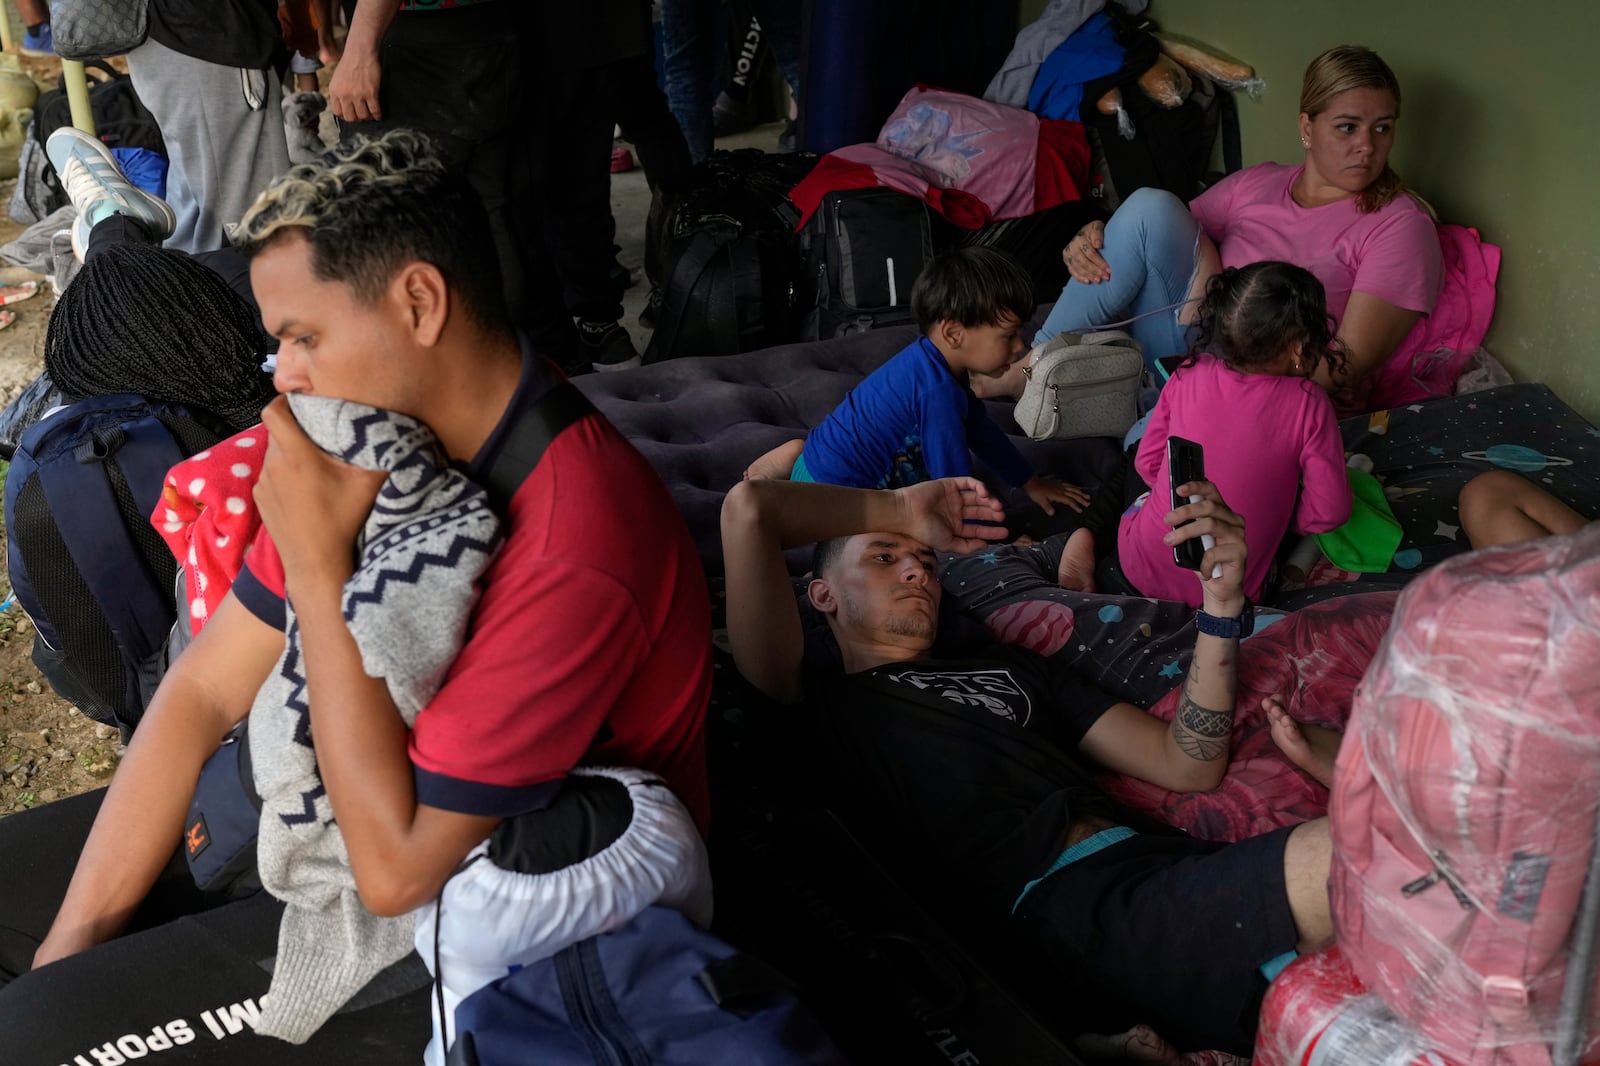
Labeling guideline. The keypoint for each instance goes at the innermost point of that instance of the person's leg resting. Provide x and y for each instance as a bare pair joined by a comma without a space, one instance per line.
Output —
1307,857
1150,245
1501,508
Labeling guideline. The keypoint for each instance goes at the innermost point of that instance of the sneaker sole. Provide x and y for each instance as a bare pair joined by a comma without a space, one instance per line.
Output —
626,364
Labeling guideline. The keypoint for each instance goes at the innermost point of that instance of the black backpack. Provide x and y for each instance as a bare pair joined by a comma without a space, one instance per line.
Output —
93,574
729,265
863,249
1172,147
120,120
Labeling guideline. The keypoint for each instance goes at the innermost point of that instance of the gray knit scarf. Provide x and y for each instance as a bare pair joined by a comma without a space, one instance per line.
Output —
429,538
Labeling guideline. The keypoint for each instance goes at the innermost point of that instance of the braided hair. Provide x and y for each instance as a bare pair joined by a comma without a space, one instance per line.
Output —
157,323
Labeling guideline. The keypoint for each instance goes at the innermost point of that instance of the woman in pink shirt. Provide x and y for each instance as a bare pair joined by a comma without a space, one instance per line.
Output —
1272,444
1343,214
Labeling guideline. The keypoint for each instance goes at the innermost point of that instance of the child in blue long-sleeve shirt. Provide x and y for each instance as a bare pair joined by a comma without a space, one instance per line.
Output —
914,418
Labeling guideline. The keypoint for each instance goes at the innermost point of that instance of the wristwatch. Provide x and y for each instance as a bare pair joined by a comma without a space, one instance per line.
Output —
1241,626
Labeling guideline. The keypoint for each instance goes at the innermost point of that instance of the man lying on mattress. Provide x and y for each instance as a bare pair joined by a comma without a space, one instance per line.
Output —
957,772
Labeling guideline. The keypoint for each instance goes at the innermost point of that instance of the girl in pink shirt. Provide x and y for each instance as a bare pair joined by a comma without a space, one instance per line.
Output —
1271,440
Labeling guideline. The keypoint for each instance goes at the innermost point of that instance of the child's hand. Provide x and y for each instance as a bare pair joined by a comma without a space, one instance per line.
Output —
1047,492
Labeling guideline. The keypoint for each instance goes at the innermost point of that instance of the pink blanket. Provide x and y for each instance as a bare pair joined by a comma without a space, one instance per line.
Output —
970,160
1433,354
1312,659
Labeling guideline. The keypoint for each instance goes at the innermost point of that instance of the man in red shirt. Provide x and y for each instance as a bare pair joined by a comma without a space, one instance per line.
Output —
590,643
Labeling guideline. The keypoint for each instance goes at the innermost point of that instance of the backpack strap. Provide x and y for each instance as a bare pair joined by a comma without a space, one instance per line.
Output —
1232,147
745,260
92,526
535,428
743,985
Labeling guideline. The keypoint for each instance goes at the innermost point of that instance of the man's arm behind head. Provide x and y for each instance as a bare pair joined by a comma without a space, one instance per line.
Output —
760,519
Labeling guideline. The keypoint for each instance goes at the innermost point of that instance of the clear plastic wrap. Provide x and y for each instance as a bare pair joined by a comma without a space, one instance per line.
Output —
1111,104
1208,62
1317,1013
1465,802
1482,372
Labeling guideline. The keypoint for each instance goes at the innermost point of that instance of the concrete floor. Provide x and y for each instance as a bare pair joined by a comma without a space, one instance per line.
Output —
630,203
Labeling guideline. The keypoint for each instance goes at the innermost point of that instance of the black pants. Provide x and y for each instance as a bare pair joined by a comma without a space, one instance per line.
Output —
185,980
455,75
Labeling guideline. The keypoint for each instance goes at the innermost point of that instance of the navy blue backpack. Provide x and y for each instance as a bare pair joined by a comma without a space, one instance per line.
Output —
656,992
95,577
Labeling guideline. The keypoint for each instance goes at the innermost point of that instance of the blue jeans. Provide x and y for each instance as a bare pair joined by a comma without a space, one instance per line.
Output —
1150,246
688,59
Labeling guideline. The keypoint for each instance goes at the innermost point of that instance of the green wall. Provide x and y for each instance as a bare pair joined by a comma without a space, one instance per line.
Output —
1500,129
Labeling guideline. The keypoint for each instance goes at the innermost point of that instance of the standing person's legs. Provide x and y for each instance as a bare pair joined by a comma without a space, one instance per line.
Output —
224,134
568,158
780,21
1151,246
455,75
640,108
688,43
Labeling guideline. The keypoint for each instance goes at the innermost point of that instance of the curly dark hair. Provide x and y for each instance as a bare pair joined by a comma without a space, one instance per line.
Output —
369,206
1252,314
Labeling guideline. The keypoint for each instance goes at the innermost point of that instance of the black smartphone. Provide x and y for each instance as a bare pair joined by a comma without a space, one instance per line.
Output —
1186,462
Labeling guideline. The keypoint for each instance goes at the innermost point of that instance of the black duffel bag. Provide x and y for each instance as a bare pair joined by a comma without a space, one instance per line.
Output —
728,257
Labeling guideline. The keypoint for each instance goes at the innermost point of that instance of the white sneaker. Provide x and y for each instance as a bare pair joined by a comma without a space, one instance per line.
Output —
98,189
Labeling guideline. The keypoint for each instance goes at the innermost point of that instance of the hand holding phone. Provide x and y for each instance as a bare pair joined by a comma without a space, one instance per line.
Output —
1186,462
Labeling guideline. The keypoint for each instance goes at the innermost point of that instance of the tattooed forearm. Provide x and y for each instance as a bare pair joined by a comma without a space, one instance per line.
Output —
1200,732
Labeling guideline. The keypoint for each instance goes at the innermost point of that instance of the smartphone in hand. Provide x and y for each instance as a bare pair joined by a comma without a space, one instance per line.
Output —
1186,462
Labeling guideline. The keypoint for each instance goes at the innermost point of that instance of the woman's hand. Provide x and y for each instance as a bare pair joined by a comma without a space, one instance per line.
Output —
1082,255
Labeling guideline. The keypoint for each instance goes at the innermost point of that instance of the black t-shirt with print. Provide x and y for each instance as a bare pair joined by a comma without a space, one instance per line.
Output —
958,773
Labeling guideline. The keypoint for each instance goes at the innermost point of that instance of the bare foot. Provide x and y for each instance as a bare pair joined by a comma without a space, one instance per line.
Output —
777,464
1008,383
1313,748
1139,1044
1076,570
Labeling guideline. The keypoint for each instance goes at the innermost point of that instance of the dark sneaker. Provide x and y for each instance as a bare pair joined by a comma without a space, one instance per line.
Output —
789,139
608,345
